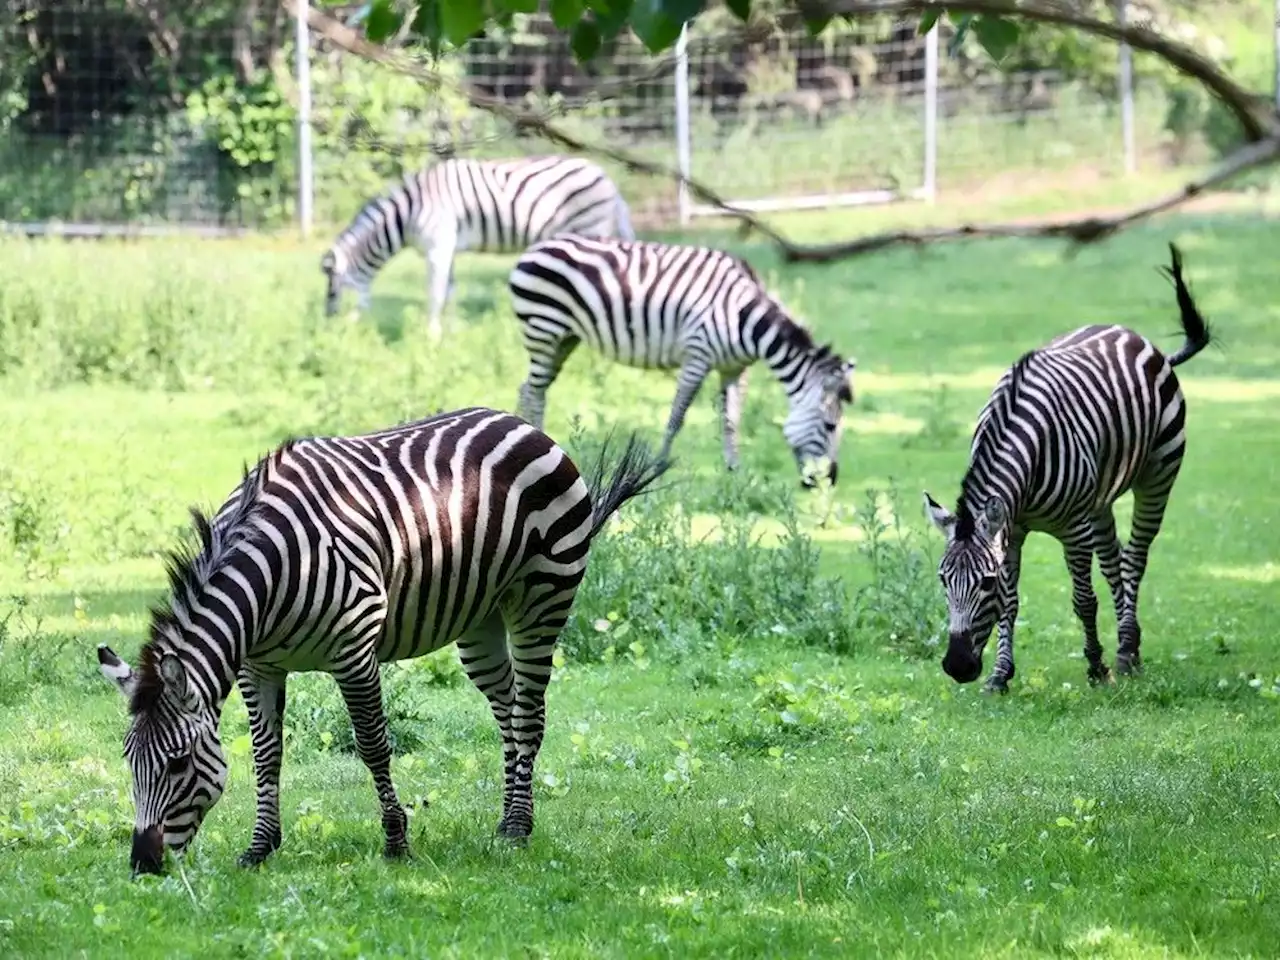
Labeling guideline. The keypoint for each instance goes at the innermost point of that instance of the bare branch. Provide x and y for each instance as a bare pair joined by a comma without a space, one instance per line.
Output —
1081,230
1253,113
1260,123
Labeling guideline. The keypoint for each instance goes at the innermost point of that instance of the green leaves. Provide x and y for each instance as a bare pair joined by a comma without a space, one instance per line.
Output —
657,23
460,21
565,14
996,34
585,40
382,20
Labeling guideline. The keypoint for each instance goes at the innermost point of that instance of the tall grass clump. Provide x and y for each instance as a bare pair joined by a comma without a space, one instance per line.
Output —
900,608
679,581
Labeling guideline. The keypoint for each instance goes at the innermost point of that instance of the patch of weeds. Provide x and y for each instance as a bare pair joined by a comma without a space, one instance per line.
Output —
902,605
316,716
681,591
30,528
28,656
940,430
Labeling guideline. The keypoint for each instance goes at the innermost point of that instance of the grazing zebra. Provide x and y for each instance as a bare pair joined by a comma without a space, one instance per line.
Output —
1066,431
653,305
497,206
341,553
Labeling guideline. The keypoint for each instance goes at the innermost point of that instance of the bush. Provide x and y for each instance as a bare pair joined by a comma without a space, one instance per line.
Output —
682,583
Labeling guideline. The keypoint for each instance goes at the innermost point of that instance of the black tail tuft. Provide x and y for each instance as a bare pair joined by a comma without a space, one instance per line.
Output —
1194,326
635,470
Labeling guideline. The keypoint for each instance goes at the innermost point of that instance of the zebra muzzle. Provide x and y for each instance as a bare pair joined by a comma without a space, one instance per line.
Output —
147,855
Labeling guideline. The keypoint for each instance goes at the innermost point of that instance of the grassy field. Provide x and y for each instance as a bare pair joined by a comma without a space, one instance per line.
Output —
752,749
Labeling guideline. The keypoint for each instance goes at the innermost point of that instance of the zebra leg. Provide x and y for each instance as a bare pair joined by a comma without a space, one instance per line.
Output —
688,382
1106,543
532,643
733,391
361,686
545,363
1148,515
1077,549
440,259
1005,669
263,691
484,655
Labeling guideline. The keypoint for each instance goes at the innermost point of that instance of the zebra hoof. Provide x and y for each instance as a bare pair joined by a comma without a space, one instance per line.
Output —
996,685
1126,666
397,851
515,831
253,857
1102,676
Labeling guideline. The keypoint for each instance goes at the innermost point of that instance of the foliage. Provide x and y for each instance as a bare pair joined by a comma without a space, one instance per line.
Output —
687,587
900,608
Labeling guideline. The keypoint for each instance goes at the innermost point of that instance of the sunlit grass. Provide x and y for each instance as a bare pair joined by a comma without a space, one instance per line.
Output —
785,785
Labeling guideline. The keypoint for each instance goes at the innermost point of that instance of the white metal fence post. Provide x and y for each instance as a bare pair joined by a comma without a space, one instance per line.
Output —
1277,45
1126,94
683,146
929,189
306,174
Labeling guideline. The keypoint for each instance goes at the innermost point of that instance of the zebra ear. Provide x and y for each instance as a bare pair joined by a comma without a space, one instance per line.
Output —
116,670
174,675
940,516
994,518
846,380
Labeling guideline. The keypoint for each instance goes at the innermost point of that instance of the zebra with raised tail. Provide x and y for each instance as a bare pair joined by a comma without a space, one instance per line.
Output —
1067,430
341,553
495,206
661,306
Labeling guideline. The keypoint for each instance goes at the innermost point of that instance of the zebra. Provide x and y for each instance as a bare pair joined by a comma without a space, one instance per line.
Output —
459,204
659,306
1067,430
341,553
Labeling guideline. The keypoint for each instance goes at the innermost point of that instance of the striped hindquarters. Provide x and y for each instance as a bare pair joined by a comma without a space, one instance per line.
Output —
636,302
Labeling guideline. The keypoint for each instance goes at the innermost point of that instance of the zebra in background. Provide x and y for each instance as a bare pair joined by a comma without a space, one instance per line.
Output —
495,206
1066,431
341,553
659,306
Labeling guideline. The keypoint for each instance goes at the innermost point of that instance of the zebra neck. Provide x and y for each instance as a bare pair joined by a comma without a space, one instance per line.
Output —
994,475
219,624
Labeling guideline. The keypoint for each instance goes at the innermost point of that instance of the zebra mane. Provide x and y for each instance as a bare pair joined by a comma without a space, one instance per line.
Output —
991,430
189,567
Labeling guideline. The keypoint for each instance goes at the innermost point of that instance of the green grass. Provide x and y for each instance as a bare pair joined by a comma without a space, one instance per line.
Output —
760,755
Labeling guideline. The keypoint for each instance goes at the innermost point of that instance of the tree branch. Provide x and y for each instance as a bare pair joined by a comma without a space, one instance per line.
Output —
1082,230
1260,123
1254,115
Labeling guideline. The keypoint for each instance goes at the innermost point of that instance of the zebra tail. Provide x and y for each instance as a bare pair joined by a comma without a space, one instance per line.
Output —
636,469
1195,327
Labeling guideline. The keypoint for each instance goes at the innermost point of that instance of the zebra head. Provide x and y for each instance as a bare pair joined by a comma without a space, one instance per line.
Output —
174,754
815,420
970,574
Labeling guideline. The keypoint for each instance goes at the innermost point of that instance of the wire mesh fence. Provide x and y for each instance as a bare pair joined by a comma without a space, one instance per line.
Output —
144,112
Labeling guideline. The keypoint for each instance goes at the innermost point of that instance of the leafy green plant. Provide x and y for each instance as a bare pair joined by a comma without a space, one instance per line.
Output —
901,608
679,591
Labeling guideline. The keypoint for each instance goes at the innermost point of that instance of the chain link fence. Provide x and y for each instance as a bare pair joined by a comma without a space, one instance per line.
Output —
147,114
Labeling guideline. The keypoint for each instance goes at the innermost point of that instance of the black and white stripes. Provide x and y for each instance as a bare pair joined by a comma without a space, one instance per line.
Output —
1067,430
341,553
654,305
496,206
